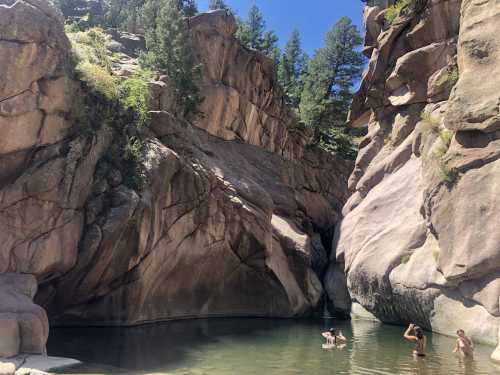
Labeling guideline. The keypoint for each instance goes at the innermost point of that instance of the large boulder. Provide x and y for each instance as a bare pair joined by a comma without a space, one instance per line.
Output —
23,325
419,236
11,339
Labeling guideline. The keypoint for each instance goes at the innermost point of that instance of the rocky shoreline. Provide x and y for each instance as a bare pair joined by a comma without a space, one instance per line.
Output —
35,365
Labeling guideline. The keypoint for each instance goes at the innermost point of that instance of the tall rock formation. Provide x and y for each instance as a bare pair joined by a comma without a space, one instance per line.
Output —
236,218
42,175
419,240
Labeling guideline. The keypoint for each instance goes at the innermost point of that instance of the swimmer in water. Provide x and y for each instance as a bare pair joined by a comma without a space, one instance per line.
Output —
333,337
464,345
416,334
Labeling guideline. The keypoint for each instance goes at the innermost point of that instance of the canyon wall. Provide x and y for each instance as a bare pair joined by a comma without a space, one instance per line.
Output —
236,217
419,240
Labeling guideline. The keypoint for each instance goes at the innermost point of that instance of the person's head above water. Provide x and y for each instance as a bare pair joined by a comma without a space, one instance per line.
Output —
332,331
419,333
461,333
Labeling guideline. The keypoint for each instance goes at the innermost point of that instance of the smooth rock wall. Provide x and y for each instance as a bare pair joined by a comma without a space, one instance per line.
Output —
419,237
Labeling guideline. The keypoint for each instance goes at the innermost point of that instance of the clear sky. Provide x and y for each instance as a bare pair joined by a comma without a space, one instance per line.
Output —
313,18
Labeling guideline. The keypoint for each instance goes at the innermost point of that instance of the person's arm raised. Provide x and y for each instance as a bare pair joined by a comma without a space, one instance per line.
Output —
407,334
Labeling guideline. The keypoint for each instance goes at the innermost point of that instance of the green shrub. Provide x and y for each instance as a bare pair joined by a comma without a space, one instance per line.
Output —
427,118
136,95
99,79
450,77
123,107
439,154
336,140
134,157
71,28
387,139
91,46
394,11
405,259
446,136
92,60
448,175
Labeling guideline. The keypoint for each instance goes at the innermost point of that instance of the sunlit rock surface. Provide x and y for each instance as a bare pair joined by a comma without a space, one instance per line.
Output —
237,216
419,241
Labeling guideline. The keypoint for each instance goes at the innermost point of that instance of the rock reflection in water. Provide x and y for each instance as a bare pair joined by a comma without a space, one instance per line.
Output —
258,346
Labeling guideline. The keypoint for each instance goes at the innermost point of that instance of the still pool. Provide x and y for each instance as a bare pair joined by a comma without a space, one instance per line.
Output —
258,347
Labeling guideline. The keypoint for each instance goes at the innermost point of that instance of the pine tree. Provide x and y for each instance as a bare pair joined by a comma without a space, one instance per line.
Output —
217,4
327,92
82,13
291,69
123,14
269,45
332,73
252,33
188,7
169,51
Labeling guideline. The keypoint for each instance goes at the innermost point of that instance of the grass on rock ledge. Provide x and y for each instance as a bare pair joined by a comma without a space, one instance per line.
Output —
444,136
450,77
120,104
395,10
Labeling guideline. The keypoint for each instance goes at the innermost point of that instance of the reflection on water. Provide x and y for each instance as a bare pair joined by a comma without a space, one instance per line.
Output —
257,346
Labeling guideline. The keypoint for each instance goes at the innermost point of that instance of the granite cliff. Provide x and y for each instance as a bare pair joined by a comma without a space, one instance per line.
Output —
419,241
236,217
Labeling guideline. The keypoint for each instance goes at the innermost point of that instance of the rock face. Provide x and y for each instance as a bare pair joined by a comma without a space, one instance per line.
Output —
44,169
223,229
233,220
23,325
242,99
237,216
40,217
419,240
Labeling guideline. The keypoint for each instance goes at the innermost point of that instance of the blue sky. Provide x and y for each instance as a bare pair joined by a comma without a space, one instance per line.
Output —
313,18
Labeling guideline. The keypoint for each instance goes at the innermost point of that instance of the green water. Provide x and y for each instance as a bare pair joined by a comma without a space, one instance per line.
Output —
258,347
